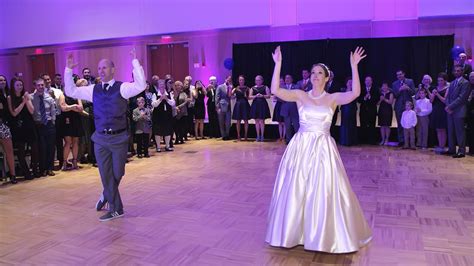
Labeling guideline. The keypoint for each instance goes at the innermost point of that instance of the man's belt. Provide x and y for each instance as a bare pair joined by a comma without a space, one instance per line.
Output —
112,132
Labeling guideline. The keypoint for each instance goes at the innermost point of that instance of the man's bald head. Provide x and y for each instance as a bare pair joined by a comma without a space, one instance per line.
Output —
108,62
106,70
462,58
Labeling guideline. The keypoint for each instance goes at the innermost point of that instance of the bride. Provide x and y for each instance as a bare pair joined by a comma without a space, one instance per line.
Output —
313,203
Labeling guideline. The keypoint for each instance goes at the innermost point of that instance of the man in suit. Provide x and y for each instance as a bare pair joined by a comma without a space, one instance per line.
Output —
289,111
331,85
466,68
56,95
223,107
211,108
44,116
470,116
58,82
403,90
86,74
110,116
456,107
154,83
368,110
305,83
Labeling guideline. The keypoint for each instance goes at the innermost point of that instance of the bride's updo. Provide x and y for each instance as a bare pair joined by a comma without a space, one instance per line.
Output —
324,67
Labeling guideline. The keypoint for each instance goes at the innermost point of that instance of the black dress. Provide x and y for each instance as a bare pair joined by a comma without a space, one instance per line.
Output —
349,124
242,106
213,126
22,126
163,118
4,118
385,113
71,122
259,108
439,119
276,111
199,106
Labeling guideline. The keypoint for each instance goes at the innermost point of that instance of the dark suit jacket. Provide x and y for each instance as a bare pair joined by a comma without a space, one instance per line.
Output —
289,108
333,87
222,98
369,106
211,105
471,107
458,94
466,71
301,85
401,97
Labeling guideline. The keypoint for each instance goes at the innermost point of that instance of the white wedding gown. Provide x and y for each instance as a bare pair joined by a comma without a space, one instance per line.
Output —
313,203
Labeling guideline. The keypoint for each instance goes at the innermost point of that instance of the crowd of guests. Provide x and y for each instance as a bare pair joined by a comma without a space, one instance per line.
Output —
444,107
48,125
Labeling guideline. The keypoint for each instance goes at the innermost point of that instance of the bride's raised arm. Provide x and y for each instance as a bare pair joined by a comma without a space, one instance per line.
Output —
341,98
286,95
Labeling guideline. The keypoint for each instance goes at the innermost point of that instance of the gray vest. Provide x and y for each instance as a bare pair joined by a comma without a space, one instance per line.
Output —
110,108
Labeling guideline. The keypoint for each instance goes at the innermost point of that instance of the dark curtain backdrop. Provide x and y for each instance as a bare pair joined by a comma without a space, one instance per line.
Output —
415,55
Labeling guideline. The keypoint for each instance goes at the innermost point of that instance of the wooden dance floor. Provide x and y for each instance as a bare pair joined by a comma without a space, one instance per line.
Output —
207,203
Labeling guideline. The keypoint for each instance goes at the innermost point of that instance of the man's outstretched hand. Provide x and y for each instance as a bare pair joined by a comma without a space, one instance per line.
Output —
70,62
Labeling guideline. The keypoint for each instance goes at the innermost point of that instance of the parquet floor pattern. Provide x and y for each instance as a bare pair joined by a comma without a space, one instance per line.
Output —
207,202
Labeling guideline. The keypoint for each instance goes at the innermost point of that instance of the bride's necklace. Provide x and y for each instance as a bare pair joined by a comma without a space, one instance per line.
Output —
316,97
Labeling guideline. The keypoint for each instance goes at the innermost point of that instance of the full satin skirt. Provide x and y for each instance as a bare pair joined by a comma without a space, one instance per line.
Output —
313,203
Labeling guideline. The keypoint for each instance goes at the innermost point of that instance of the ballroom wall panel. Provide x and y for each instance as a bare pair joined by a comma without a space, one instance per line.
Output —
208,49
25,23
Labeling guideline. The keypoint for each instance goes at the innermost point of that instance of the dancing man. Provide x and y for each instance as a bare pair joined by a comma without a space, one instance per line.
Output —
110,118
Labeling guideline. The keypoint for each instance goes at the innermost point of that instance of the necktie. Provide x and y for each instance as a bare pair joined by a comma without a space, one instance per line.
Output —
105,86
44,119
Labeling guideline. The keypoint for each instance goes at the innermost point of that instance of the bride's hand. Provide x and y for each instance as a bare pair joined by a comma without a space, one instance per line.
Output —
277,55
357,56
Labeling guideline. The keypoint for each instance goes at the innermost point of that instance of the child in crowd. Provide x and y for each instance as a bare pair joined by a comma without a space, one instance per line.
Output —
423,109
408,122
142,116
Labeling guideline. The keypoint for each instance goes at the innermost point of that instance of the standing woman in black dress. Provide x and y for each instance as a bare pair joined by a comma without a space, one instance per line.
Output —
199,93
182,100
439,117
5,133
277,116
163,104
23,127
71,125
213,124
385,113
189,128
259,109
241,107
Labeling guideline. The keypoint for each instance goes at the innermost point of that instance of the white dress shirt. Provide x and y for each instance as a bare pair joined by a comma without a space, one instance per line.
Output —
57,94
425,107
192,88
127,89
408,119
156,99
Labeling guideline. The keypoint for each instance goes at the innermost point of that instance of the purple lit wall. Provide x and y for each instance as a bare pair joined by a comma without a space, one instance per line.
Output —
90,30
433,8
31,22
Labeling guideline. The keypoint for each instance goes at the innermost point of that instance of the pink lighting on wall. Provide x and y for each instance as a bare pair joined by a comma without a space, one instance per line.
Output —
166,38
39,51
